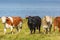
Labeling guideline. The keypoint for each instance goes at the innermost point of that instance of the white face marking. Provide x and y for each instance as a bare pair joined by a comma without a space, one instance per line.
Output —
11,19
3,19
49,19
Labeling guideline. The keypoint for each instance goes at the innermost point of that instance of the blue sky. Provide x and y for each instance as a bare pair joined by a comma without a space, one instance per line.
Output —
29,7
28,3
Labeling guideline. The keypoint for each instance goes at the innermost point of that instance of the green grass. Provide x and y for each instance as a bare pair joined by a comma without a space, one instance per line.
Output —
25,34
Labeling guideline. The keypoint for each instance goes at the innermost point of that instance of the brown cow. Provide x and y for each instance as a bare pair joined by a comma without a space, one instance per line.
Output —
11,22
57,23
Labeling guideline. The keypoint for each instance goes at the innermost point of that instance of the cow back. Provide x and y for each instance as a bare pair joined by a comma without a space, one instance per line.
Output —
16,20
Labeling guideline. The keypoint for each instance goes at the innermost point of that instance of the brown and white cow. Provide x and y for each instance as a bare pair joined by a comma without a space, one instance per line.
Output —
57,23
47,23
11,22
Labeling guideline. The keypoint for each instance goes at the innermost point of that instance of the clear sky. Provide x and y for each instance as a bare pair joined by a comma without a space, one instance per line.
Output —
29,7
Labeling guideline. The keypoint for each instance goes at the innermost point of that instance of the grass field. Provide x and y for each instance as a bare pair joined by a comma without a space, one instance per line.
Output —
25,34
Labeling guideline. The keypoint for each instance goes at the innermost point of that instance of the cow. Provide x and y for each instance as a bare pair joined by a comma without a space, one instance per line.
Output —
34,22
57,23
12,22
47,24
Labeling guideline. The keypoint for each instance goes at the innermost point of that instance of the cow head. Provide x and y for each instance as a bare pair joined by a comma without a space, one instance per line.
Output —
3,19
27,17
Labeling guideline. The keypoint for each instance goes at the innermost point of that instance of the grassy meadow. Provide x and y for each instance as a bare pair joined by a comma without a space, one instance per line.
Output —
25,34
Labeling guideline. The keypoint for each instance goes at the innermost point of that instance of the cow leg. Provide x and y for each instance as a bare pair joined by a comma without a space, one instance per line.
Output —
34,30
31,30
46,30
4,30
17,28
20,26
59,29
39,28
11,29
50,28
55,28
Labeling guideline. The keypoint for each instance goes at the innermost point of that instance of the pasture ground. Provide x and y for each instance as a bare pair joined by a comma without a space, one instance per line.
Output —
25,34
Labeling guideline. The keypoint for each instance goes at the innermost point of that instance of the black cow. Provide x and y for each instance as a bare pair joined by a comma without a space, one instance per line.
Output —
34,22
